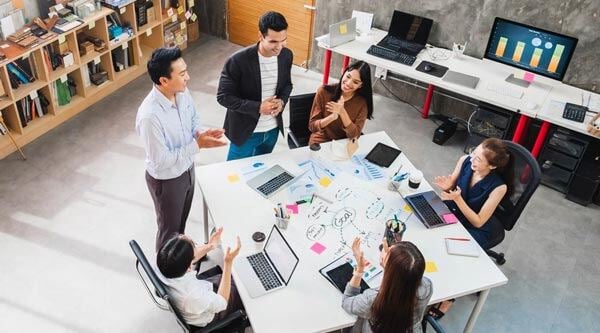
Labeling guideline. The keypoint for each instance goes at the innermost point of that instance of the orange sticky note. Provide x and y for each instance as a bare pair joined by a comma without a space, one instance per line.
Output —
233,178
325,181
430,267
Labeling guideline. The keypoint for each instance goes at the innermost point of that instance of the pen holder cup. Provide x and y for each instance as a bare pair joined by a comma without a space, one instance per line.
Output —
394,231
282,223
394,186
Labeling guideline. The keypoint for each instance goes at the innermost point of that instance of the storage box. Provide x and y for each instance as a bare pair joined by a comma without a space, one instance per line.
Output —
193,31
86,48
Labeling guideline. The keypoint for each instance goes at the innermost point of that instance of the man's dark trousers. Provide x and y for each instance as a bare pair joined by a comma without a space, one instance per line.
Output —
172,202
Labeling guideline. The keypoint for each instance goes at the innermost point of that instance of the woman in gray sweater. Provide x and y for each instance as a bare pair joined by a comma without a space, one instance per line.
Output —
399,303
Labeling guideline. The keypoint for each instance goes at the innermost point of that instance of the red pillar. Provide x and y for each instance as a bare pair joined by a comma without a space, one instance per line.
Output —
428,97
326,66
521,128
539,140
346,61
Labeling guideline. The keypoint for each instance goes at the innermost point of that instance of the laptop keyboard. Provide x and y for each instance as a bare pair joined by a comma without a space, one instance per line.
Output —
263,270
275,183
388,54
402,44
430,217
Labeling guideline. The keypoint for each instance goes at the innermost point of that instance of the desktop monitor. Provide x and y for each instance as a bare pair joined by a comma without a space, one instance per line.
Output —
529,48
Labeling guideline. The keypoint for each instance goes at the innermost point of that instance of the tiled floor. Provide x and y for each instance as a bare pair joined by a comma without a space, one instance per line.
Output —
68,212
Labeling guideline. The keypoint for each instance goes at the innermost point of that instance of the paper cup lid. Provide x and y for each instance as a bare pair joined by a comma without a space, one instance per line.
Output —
258,236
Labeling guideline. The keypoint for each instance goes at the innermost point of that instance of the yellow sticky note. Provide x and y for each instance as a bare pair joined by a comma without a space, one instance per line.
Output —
92,25
325,181
173,18
180,10
233,178
430,267
407,208
182,25
343,29
194,17
61,39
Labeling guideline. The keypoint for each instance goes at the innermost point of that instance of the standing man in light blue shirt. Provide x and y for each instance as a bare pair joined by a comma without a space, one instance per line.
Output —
169,126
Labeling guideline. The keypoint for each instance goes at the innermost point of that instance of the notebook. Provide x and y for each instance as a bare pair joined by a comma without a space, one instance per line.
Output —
457,247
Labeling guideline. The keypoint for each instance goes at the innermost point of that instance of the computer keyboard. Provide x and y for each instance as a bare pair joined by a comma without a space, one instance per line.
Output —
275,183
263,270
430,217
574,112
388,54
505,90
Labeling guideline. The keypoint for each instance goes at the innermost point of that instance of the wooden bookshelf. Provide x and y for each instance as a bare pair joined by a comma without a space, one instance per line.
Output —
144,40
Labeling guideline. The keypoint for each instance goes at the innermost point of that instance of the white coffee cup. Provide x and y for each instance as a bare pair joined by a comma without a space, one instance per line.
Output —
414,180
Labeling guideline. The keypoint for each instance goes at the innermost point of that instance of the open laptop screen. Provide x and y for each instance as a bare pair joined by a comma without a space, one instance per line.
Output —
281,255
410,27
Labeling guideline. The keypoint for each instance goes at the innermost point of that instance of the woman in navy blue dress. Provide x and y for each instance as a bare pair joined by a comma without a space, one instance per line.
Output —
474,190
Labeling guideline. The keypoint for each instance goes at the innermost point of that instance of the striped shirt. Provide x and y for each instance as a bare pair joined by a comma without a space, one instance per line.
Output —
268,81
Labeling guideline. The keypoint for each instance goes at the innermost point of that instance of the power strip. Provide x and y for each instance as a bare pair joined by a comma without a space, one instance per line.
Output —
380,73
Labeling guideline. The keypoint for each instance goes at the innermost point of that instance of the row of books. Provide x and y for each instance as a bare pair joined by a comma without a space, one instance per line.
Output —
22,71
31,108
63,92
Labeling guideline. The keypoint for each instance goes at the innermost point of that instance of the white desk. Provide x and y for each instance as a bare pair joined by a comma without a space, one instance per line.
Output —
309,303
533,103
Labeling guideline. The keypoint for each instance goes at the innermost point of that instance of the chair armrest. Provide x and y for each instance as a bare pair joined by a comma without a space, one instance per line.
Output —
292,136
237,315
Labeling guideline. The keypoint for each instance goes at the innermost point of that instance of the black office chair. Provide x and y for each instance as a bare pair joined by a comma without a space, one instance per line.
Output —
235,322
527,176
298,132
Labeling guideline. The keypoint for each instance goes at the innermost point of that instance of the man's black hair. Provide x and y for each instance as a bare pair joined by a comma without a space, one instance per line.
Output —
175,257
271,20
160,62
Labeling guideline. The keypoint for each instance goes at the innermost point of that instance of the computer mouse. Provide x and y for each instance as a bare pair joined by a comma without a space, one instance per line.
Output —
427,68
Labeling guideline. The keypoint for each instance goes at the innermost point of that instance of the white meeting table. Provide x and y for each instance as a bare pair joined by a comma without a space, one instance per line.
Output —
310,303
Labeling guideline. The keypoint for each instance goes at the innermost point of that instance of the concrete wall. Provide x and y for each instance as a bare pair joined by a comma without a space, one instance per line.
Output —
471,20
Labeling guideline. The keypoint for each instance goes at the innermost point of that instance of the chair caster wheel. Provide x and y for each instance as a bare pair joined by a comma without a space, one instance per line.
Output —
500,259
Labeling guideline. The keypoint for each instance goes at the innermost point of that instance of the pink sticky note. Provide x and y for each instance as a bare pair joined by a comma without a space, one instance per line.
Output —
449,218
529,77
293,208
318,248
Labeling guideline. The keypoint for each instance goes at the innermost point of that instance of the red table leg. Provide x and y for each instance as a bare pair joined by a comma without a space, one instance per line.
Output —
326,66
428,97
521,129
539,140
346,61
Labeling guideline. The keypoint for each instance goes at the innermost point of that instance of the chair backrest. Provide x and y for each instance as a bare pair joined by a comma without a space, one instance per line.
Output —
300,107
159,286
527,176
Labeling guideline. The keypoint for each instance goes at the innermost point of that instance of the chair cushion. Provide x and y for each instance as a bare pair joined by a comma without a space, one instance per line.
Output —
497,232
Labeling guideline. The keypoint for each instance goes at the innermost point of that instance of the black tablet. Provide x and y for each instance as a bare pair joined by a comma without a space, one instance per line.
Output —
341,275
382,155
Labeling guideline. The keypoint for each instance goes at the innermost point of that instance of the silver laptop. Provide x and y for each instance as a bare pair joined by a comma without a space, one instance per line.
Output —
461,79
271,181
340,33
430,209
269,270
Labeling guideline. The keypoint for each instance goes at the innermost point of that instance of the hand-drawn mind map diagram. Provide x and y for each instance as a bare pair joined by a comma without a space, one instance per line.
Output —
354,212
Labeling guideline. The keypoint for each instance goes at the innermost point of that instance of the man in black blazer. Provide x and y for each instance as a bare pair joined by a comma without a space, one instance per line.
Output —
255,85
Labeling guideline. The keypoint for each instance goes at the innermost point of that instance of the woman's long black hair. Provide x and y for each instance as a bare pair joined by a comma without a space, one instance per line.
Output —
366,90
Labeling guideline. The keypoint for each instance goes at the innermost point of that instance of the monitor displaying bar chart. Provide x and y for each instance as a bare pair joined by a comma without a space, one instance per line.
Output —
529,48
